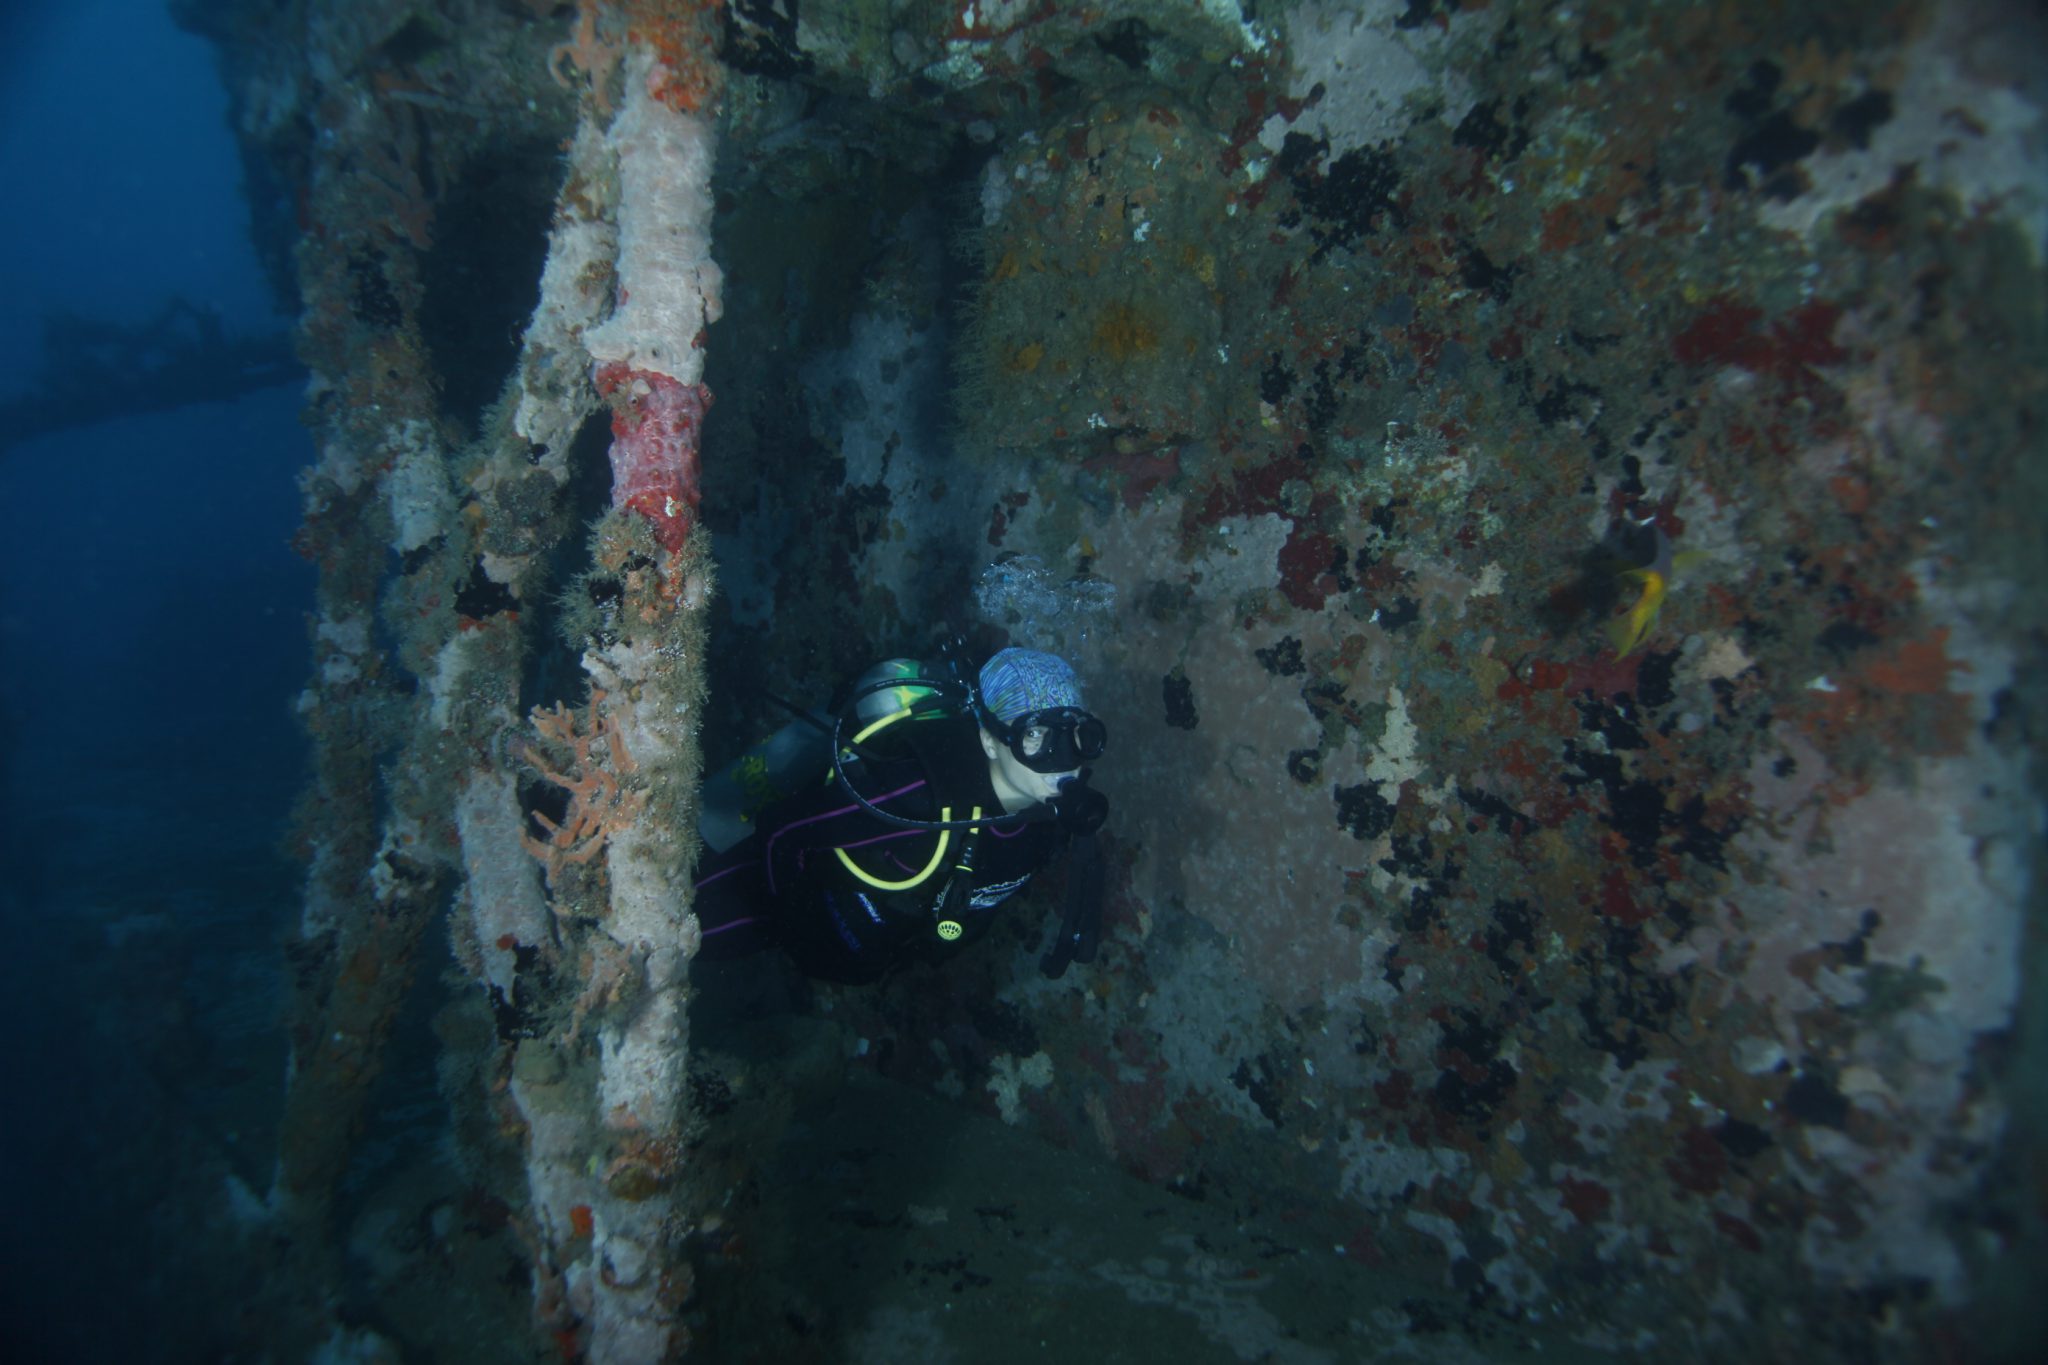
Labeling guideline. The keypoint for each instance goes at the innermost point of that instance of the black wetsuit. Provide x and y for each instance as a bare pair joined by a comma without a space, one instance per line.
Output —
787,884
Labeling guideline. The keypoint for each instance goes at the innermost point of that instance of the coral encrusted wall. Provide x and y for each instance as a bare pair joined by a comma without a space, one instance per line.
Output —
1650,952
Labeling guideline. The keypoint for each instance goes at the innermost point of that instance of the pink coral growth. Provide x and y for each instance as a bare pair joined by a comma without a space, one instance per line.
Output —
654,446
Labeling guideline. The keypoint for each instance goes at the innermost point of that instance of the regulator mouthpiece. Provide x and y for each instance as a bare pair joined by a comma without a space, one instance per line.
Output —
1080,808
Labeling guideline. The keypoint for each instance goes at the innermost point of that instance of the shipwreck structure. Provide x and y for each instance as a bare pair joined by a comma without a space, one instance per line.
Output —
434,538
1541,495
181,355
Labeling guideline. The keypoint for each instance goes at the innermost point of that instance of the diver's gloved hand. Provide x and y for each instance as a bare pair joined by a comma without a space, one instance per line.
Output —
1081,809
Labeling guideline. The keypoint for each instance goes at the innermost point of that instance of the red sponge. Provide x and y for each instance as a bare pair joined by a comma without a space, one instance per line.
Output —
655,420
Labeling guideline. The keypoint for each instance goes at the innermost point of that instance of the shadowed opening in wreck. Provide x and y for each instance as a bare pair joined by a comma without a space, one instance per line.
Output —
859,214
481,276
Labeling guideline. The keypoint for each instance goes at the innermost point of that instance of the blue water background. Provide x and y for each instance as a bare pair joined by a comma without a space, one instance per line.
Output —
152,637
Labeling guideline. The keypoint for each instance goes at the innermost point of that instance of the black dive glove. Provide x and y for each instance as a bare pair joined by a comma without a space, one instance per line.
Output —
1080,808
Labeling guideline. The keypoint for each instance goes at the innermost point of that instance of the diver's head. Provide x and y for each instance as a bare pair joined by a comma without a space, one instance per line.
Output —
1033,729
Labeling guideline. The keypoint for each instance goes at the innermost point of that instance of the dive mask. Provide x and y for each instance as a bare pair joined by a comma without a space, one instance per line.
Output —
1057,739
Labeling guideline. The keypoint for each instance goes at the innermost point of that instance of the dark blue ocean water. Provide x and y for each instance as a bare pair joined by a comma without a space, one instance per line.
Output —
152,636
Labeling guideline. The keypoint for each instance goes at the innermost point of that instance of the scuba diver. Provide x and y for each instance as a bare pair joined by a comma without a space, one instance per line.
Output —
891,832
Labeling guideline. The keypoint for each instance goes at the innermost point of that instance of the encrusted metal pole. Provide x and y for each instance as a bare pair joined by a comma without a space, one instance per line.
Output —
596,1084
376,834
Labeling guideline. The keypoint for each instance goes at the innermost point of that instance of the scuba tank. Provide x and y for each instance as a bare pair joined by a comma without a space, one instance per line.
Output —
893,690
777,767
800,752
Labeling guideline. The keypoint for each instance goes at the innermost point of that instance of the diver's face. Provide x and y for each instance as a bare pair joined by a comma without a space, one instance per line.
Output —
1018,786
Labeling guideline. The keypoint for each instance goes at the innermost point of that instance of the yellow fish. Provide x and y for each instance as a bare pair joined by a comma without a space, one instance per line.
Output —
1627,631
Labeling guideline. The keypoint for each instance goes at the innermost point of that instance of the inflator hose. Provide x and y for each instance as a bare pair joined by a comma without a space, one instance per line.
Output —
1081,923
